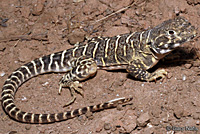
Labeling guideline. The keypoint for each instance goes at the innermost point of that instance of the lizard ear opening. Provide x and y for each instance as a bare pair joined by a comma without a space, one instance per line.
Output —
149,43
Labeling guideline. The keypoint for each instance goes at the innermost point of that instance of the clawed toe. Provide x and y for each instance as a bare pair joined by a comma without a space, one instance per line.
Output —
74,86
158,74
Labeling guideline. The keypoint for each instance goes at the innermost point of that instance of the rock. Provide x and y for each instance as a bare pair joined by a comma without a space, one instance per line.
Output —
2,47
75,1
178,111
102,8
89,115
116,30
192,2
169,75
38,7
190,122
130,123
60,11
90,7
143,119
76,36
107,126
25,11
99,129
116,5
184,78
198,122
196,115
188,66
118,123
28,127
2,73
125,19
25,54
82,118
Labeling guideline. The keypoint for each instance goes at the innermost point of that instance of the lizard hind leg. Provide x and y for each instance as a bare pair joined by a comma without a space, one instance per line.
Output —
83,69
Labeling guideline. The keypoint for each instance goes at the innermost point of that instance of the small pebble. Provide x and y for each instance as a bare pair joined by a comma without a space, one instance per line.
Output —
75,1
198,122
119,107
89,115
178,111
12,132
188,66
24,98
177,10
28,127
184,78
143,119
2,74
169,75
107,126
46,83
82,118
98,129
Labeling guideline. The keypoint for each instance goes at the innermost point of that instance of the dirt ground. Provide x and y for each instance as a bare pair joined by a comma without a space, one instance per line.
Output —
31,29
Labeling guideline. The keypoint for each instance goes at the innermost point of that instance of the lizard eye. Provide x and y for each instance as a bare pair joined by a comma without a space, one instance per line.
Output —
171,32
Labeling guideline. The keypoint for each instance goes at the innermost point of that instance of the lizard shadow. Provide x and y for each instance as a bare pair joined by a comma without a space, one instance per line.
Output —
177,57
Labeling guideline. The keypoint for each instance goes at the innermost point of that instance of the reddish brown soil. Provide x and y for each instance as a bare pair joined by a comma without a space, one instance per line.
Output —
39,27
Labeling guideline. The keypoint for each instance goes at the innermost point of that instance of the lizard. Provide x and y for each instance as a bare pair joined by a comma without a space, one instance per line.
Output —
135,52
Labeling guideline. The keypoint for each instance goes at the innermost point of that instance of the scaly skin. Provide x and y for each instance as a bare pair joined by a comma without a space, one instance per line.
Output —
136,52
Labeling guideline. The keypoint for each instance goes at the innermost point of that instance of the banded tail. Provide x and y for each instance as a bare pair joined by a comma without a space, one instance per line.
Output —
57,62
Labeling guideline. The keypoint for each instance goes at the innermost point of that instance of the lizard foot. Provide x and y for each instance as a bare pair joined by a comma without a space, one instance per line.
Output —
74,87
158,74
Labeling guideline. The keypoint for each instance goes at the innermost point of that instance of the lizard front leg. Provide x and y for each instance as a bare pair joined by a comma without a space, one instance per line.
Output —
83,69
138,70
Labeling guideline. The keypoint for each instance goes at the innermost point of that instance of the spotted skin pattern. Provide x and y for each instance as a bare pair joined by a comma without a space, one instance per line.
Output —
136,52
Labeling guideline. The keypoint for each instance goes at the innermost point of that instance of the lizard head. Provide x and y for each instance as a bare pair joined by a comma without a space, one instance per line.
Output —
169,35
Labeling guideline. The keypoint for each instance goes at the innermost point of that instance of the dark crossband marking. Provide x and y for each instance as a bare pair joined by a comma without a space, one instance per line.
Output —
10,80
40,118
27,69
62,58
8,91
148,36
48,118
103,62
35,68
132,46
124,50
22,75
51,61
9,85
74,50
141,38
7,96
128,38
57,66
95,49
18,115
7,100
116,46
42,67
32,118
12,108
85,48
106,49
